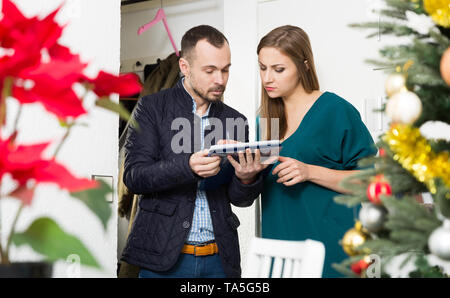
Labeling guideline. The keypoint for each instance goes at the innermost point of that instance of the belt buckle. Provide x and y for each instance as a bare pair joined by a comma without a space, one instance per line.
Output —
197,245
201,245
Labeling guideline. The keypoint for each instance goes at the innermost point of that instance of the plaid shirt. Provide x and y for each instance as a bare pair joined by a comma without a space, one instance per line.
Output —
202,228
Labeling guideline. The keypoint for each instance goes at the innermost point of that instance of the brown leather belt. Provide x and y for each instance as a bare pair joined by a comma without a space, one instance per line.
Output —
205,250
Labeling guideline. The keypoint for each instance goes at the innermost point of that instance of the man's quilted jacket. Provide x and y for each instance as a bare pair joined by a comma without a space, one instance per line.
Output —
167,186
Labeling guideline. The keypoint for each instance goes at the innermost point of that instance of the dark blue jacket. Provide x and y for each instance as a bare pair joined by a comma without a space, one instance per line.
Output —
167,186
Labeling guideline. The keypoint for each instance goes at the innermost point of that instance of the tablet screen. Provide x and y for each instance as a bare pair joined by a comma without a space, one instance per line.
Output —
267,149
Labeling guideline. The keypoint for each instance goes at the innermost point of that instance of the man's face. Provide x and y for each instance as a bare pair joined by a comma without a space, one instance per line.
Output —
207,70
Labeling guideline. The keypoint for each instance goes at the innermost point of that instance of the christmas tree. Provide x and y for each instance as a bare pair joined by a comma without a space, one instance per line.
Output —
393,220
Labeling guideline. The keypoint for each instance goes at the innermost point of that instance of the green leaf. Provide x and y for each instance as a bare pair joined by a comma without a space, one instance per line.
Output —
47,238
95,199
63,123
112,106
118,108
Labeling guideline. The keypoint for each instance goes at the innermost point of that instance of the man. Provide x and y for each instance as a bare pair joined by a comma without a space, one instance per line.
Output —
184,226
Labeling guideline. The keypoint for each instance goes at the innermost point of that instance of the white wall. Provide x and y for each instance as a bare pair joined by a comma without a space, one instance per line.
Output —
88,150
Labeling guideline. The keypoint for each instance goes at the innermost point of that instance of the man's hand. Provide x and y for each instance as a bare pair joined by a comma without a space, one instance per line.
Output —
248,167
204,166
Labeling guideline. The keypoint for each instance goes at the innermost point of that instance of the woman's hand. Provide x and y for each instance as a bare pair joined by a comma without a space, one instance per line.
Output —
291,171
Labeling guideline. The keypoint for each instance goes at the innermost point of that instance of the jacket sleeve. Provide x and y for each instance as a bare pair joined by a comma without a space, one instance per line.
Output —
240,194
144,171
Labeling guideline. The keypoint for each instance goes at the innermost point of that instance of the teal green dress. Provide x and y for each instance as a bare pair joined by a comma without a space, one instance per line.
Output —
330,135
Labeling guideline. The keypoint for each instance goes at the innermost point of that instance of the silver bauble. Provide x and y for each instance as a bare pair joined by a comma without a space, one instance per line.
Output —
439,241
372,217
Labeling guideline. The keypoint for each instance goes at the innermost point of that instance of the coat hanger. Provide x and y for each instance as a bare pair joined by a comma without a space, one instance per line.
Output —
160,16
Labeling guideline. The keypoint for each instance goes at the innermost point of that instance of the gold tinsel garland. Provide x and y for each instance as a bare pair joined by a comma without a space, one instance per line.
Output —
415,154
439,11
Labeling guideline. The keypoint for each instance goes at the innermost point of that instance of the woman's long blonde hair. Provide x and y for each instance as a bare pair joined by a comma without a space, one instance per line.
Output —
293,42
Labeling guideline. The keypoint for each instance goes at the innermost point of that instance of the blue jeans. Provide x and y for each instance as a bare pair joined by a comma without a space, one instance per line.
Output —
190,266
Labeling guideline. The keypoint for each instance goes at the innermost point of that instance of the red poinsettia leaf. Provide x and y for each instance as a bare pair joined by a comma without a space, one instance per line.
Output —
25,32
53,83
62,53
24,155
59,72
24,194
51,171
24,162
11,13
48,31
3,32
63,103
16,26
12,66
27,37
19,161
124,85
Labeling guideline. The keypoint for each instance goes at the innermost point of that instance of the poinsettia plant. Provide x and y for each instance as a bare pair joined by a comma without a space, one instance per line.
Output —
35,68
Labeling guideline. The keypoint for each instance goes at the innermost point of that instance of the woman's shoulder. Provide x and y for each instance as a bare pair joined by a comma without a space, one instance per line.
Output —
338,104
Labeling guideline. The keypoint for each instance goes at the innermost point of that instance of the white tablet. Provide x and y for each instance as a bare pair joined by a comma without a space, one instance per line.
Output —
267,148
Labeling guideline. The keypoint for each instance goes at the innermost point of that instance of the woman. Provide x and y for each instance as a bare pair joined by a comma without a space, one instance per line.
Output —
322,136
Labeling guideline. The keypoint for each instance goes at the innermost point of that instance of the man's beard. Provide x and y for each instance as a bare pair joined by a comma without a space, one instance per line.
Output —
204,95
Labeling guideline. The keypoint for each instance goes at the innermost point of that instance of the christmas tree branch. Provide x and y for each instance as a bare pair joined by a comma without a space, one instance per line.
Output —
384,28
403,6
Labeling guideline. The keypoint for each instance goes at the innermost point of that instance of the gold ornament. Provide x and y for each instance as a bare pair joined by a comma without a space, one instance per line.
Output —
395,83
415,154
352,239
445,66
404,107
439,11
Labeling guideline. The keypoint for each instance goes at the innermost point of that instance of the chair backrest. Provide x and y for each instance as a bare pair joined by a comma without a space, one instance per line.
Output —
282,258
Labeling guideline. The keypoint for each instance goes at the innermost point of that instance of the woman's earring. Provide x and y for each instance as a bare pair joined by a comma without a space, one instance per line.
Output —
306,64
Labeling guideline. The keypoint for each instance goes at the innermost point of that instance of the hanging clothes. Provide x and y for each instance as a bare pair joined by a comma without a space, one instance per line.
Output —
149,68
164,76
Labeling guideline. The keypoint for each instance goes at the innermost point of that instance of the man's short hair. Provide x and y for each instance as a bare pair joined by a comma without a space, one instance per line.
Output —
194,35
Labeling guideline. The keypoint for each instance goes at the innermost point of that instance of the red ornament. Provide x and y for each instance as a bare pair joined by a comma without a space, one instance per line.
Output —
379,187
382,152
359,266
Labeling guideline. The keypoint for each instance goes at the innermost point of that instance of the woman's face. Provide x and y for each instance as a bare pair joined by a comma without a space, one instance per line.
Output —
279,75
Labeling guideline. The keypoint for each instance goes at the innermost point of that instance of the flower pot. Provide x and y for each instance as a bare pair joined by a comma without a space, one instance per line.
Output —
26,270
